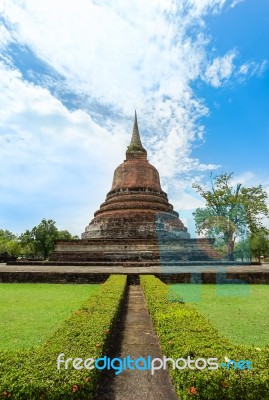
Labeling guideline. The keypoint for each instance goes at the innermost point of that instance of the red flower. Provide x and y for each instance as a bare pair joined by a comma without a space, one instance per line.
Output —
6,393
193,390
75,388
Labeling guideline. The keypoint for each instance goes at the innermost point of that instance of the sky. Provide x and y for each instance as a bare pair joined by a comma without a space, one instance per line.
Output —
72,72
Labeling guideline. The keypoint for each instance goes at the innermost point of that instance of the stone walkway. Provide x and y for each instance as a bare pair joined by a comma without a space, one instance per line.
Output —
133,270
134,336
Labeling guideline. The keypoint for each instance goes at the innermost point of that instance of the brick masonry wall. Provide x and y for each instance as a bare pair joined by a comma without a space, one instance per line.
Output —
134,250
212,277
87,277
52,277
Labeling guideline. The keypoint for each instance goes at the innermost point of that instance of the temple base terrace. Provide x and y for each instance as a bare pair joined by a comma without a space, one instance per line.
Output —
192,272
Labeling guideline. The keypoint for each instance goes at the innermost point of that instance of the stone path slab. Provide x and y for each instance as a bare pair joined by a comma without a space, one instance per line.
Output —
133,270
134,336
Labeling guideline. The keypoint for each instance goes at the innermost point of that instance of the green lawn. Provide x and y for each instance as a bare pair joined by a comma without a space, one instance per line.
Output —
239,312
29,313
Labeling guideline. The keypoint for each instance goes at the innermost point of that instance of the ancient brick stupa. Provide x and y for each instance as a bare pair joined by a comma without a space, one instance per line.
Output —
136,207
136,222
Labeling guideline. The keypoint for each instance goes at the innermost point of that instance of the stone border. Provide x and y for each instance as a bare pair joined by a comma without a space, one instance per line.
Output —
52,277
213,277
86,277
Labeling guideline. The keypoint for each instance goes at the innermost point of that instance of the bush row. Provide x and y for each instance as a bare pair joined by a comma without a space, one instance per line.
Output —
184,332
34,375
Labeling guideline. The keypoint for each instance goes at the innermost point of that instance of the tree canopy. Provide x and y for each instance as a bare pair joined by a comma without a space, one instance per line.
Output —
41,238
231,211
259,244
37,242
9,243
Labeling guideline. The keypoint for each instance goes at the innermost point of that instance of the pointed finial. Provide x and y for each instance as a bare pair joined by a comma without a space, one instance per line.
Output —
135,145
136,136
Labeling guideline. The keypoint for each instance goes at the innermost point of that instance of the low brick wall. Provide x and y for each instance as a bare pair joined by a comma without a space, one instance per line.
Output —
52,277
87,277
220,277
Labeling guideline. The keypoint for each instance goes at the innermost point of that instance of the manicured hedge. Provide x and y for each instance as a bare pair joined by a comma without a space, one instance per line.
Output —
33,374
184,332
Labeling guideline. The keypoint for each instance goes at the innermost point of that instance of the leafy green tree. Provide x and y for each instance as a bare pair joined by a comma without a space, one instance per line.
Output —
6,235
230,212
41,237
259,244
13,248
66,235
242,250
9,243
39,242
27,244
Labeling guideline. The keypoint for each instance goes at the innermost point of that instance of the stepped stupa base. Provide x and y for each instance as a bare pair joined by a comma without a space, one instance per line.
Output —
134,250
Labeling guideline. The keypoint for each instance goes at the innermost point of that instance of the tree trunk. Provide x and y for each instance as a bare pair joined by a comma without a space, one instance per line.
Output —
230,247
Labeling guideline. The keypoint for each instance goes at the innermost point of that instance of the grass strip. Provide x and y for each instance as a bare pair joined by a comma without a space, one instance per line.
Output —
30,312
240,312
184,332
34,375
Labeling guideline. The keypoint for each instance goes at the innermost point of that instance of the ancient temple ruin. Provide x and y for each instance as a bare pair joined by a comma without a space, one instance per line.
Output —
136,223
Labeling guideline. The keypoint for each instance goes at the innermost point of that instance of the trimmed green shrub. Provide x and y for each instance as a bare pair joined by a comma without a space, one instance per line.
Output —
34,375
184,332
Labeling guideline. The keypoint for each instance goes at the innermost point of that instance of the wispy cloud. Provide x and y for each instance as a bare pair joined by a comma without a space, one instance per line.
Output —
252,68
235,2
221,69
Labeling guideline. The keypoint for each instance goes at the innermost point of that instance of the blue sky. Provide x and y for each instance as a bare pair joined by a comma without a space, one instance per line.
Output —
72,73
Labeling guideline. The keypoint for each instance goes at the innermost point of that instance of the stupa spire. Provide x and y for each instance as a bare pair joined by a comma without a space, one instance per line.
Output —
135,146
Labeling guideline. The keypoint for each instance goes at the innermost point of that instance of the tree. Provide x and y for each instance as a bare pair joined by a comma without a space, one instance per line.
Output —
13,248
9,243
41,237
6,235
242,250
66,235
259,244
27,244
230,212
39,242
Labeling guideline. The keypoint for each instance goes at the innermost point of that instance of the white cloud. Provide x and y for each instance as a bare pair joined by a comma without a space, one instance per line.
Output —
5,37
124,56
202,6
252,68
113,50
246,178
221,69
50,155
235,2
